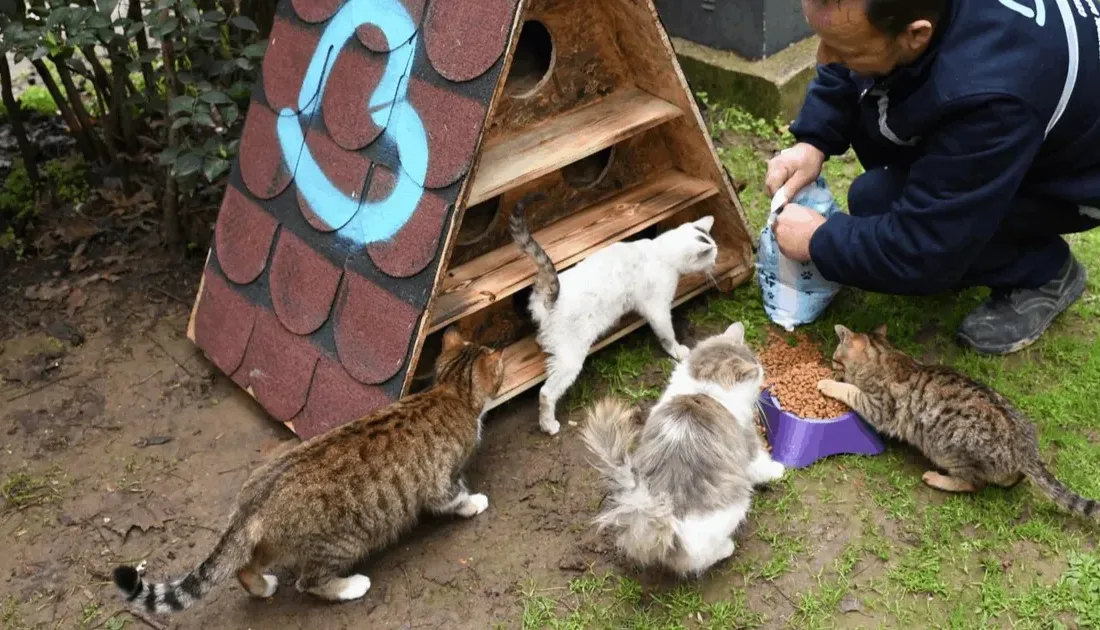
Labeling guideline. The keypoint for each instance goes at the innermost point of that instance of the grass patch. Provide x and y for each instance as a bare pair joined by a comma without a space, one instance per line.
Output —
22,490
608,601
11,615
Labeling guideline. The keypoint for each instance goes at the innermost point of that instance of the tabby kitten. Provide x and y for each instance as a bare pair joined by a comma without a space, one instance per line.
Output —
683,483
964,427
326,503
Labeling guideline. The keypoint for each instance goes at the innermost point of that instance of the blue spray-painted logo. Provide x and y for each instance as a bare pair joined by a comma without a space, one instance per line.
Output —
363,222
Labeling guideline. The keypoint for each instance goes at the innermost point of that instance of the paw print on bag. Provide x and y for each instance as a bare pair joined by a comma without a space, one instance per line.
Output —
794,292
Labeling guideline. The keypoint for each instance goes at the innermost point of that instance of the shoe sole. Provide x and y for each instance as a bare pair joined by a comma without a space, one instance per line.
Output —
1074,294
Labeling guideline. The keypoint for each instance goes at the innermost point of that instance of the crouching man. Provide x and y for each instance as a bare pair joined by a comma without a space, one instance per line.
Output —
978,125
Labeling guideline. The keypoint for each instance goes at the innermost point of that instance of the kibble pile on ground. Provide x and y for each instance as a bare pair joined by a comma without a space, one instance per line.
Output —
792,373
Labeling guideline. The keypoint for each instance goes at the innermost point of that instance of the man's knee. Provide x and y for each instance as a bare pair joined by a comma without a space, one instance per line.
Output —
875,191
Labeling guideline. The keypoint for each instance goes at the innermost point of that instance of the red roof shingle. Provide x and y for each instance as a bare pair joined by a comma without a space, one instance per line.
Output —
278,367
346,112
318,322
286,61
466,37
242,237
260,160
315,10
303,284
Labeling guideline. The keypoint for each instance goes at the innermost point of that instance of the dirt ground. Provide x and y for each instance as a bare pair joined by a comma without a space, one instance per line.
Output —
120,443
125,444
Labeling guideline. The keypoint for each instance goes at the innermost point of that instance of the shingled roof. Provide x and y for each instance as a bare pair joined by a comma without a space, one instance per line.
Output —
357,142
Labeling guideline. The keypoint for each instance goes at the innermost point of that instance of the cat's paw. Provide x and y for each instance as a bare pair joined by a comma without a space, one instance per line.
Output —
829,387
474,505
271,584
353,587
773,471
549,427
680,352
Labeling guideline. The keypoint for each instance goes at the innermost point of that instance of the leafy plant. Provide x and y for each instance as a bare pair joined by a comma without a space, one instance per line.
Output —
175,82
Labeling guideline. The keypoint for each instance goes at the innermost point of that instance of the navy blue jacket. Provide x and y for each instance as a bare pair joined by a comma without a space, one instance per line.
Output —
1005,102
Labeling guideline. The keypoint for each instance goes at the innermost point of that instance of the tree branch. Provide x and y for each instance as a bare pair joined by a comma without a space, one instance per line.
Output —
15,115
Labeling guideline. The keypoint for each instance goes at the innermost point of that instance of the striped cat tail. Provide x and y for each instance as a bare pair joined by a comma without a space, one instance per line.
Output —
231,552
1059,493
546,278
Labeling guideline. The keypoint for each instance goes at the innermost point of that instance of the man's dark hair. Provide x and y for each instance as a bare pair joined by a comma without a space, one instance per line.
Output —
893,16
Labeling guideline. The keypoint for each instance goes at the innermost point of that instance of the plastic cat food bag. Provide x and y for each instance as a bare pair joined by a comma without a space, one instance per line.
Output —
794,292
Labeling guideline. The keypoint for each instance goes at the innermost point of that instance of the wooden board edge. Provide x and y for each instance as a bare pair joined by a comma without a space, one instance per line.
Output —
190,332
701,124
477,197
425,320
734,277
561,266
687,102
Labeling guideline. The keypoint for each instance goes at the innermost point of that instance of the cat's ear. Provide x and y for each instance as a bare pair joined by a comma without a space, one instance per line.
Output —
452,339
706,223
881,330
736,331
842,333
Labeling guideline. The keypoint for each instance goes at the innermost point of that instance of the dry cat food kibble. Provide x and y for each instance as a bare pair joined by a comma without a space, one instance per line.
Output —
792,373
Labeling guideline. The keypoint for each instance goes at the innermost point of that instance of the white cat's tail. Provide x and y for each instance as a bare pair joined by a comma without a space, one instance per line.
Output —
644,522
546,284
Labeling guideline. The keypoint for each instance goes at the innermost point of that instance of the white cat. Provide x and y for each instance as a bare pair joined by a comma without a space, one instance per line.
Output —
573,310
683,483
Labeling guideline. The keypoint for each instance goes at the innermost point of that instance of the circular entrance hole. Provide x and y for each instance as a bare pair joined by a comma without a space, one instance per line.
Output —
532,60
477,221
588,171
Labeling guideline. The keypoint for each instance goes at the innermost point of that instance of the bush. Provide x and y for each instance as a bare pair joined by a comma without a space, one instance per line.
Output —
179,92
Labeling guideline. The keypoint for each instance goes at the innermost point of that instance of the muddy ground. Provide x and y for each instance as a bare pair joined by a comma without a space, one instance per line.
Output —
121,442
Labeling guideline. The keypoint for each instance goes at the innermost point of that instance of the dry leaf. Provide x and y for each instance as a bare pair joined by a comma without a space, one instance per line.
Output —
77,262
47,292
77,300
77,229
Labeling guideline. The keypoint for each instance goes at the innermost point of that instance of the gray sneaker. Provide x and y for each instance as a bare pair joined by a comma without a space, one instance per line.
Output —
1010,321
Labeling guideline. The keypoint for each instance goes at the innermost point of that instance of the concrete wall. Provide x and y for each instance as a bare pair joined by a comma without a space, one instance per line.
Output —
754,29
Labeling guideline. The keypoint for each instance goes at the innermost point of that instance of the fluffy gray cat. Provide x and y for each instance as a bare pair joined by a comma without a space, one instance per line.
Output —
683,483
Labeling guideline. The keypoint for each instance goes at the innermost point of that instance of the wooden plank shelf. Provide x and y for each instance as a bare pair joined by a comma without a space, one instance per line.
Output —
524,361
514,160
501,272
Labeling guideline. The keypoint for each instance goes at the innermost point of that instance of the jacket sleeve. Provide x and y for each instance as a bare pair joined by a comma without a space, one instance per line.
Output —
954,199
829,111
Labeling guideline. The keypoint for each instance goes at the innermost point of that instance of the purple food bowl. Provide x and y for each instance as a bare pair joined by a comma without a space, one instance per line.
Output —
798,442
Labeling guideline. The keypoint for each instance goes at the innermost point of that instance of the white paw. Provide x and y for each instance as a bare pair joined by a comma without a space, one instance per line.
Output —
774,470
476,504
680,352
550,427
727,550
272,584
353,587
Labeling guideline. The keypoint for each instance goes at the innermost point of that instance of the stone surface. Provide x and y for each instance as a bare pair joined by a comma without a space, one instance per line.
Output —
755,29
769,88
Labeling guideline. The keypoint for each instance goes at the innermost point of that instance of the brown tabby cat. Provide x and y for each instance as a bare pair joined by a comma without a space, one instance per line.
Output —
326,503
964,427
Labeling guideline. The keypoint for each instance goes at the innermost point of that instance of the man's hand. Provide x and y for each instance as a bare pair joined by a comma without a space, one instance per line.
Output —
793,229
794,169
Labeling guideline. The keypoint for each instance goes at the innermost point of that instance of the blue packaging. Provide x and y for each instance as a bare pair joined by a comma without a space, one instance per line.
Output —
794,292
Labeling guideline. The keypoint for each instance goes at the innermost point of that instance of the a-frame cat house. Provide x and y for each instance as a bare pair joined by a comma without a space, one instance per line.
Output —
383,150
